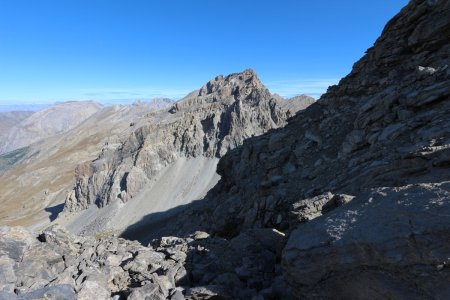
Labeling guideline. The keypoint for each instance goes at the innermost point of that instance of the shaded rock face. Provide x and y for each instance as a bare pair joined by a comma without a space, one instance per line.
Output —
382,138
208,122
385,124
386,243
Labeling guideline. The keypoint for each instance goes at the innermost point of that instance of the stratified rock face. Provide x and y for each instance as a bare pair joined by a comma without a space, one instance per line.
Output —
47,122
382,138
208,123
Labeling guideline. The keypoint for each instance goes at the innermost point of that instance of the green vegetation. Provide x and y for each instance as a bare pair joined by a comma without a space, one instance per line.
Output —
12,158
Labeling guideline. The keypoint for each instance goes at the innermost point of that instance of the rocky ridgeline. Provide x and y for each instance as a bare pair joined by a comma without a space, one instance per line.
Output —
385,124
367,166
207,123
295,104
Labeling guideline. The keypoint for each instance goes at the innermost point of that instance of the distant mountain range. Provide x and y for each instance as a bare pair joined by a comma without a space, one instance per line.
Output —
40,106
23,107
20,128
44,123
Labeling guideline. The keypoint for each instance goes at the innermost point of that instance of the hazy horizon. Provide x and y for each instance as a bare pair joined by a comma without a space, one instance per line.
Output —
36,106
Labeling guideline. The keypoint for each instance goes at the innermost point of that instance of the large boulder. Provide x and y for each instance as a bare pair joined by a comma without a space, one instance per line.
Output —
387,243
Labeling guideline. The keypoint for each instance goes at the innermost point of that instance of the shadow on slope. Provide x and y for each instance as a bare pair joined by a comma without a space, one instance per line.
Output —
54,211
185,219
166,223
197,215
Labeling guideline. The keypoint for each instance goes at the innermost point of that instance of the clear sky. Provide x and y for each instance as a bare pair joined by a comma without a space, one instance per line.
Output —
138,49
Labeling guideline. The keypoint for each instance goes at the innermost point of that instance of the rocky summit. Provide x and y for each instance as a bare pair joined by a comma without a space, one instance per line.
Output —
170,158
348,199
208,122
359,180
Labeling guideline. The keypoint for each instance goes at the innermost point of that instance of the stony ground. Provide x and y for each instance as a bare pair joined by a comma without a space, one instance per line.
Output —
58,265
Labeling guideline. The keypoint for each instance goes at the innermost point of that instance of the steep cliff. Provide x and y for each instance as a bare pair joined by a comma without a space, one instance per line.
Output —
368,163
206,123
36,179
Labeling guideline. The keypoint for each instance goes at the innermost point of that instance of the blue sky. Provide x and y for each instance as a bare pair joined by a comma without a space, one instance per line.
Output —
134,49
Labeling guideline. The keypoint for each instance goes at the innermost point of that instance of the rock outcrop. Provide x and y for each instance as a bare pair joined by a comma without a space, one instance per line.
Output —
36,179
207,123
382,138
387,243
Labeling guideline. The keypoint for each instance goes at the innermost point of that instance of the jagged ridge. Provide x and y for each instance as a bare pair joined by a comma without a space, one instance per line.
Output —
208,122
386,124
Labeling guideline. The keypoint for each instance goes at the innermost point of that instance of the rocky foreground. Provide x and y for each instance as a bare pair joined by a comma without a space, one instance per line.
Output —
58,265
351,200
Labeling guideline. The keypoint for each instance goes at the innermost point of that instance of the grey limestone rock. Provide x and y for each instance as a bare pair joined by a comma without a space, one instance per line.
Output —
389,242
208,122
57,292
378,141
57,265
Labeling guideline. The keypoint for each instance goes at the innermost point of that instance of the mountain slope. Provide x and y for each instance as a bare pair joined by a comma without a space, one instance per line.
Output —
382,138
197,130
12,118
384,124
35,179
297,103
47,122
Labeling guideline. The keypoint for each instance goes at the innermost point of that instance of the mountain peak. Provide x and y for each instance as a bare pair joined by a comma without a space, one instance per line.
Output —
246,74
232,83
